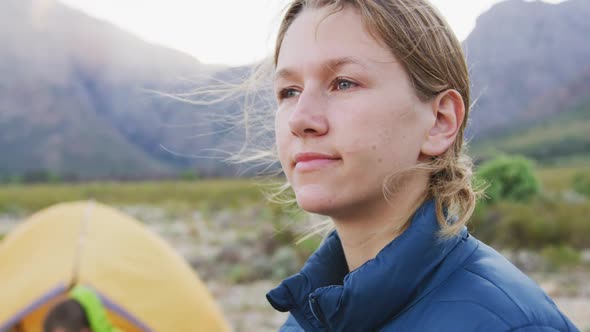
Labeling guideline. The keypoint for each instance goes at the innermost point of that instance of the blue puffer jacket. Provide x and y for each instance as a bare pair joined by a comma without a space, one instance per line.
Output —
416,283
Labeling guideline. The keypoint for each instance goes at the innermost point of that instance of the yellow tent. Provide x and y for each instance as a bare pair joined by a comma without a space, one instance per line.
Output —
143,283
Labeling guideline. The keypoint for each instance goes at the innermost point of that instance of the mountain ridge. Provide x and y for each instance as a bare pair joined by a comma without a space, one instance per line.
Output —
76,93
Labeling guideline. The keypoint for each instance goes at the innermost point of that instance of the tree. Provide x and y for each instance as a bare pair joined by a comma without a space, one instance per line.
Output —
581,183
189,175
509,178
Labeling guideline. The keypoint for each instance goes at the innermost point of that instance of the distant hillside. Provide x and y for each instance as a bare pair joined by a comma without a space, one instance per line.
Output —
73,98
520,51
557,128
76,93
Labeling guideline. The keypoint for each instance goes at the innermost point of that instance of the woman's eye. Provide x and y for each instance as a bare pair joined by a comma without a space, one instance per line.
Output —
344,84
288,93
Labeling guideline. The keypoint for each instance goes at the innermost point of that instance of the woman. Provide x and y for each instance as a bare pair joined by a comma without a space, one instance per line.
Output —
373,98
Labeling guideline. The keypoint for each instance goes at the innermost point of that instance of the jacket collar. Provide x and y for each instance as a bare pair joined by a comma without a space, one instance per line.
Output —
324,296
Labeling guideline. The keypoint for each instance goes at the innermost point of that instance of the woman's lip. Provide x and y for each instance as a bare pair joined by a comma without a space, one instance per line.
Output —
314,164
309,156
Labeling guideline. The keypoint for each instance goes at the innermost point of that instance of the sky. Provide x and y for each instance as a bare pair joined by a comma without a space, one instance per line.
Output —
231,32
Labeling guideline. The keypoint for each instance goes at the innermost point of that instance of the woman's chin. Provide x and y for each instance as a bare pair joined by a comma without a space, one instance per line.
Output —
316,198
316,205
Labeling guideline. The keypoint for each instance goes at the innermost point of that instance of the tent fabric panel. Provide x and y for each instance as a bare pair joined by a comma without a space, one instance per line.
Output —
37,255
31,317
123,324
132,266
33,321
121,319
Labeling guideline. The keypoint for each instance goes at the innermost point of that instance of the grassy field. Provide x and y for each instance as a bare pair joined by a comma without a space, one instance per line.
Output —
210,193
229,193
559,179
241,246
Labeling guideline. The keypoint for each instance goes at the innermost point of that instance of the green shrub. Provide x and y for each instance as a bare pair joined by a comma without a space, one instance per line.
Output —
11,179
539,223
306,247
509,178
285,262
581,183
239,273
189,175
561,257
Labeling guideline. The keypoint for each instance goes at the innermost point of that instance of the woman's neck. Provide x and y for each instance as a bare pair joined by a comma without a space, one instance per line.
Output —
367,231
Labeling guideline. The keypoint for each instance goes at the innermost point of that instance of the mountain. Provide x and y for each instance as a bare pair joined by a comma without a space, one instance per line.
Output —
75,98
82,98
520,51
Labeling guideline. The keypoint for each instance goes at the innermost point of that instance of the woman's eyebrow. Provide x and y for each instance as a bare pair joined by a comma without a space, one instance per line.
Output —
335,64
330,65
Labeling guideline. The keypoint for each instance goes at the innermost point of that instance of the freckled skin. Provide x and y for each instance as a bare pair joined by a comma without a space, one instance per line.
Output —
375,126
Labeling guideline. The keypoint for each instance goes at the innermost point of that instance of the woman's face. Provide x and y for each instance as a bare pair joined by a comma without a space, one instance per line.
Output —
347,114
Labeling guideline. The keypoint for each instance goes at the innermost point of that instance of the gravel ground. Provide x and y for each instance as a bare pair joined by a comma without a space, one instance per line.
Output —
245,306
571,293
577,309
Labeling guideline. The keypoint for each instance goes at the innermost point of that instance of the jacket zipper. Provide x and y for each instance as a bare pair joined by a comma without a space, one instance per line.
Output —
317,312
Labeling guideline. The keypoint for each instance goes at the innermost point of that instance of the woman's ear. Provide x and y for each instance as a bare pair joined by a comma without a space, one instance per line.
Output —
449,113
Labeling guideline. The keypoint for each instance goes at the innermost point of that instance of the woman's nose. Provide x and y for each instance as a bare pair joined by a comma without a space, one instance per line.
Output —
308,118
